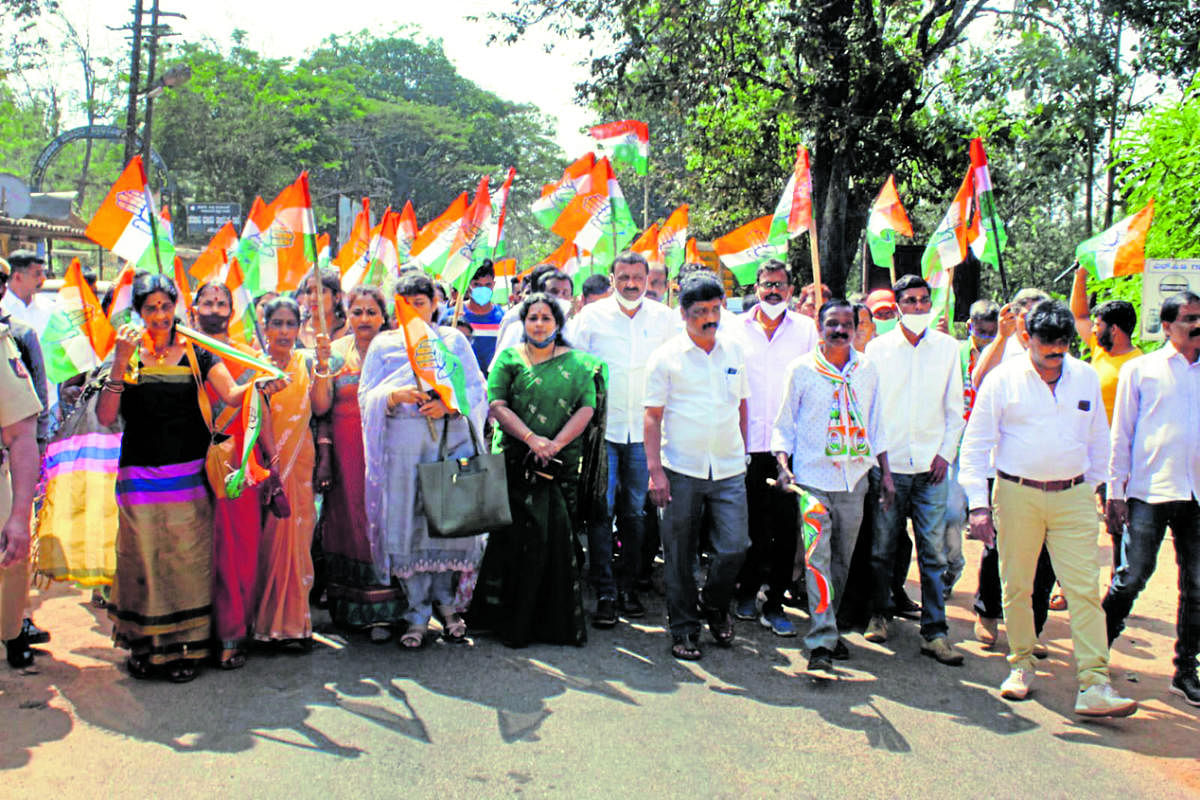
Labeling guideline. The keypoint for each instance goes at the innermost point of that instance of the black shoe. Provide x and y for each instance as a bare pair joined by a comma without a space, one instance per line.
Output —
906,608
629,605
821,660
840,651
1187,687
19,653
606,613
33,633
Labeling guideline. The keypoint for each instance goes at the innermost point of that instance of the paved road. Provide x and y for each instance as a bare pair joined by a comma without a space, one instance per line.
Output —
618,717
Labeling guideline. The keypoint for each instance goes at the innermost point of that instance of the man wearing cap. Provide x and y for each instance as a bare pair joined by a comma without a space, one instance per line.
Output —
19,464
882,305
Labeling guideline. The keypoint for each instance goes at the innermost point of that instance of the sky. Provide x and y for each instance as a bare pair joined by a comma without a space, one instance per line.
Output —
522,73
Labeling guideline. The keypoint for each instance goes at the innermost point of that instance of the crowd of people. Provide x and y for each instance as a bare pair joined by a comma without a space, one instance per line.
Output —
776,457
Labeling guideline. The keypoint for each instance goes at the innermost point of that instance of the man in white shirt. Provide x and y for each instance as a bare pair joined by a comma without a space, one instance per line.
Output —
920,381
544,278
695,423
771,337
1041,418
22,300
829,429
1154,480
622,331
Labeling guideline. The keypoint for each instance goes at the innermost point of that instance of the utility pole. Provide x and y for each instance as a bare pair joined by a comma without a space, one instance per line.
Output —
154,34
135,79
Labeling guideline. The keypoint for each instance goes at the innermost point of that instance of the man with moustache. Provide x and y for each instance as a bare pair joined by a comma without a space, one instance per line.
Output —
1041,420
921,382
695,427
622,331
826,435
1154,480
771,337
656,283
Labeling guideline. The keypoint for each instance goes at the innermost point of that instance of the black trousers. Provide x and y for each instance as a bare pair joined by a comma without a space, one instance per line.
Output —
772,523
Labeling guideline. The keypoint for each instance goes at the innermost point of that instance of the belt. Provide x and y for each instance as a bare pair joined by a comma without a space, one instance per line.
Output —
1045,486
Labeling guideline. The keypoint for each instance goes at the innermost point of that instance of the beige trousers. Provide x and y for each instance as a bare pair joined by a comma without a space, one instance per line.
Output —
14,579
1066,522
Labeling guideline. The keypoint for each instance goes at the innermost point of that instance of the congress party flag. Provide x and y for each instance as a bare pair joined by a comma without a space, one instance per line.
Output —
472,234
122,224
598,219
691,253
250,242
324,259
158,261
672,239
78,336
556,196
242,324
948,246
744,250
887,221
288,248
432,362
495,234
793,213
229,353
357,245
432,245
120,310
647,245
382,257
1120,250
991,238
185,288
213,261
406,232
626,142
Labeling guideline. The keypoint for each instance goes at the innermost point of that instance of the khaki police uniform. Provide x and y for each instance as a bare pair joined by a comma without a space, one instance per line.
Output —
17,402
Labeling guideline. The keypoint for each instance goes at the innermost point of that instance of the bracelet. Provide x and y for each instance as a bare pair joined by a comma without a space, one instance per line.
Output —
116,387
321,375
525,438
325,440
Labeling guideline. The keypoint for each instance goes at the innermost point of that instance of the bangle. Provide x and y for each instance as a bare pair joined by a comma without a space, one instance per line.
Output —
321,375
525,438
325,440
116,387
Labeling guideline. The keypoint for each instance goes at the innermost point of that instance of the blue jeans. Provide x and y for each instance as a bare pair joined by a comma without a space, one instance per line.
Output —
1139,556
680,531
925,502
956,520
628,481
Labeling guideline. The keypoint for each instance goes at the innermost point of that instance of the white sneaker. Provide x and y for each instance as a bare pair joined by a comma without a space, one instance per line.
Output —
1016,686
1101,701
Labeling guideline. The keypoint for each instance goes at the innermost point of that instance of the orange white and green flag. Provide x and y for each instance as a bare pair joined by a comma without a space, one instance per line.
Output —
672,239
242,325
250,242
432,245
78,336
626,142
122,224
598,218
793,212
434,366
556,196
288,248
357,246
887,221
184,286
743,251
647,245
406,233
691,253
1120,250
120,310
959,227
213,261
471,236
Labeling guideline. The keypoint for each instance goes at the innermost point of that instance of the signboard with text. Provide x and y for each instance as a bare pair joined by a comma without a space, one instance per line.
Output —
1164,277
205,219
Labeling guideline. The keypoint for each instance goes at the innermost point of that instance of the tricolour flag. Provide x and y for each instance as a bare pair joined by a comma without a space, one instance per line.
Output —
158,262
184,286
406,232
324,259
250,242
472,235
229,353
120,310
241,321
356,248
948,246
691,253
213,261
432,362
793,212
122,224
598,219
626,142
495,233
990,242
432,245
1120,250
78,336
288,248
647,245
743,251
888,220
382,257
672,239
556,196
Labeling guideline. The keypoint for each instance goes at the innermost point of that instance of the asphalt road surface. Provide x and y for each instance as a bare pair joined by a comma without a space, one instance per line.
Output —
617,718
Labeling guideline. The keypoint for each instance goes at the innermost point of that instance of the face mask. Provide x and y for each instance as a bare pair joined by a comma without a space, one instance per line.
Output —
916,323
212,323
773,310
883,326
628,305
481,295
540,343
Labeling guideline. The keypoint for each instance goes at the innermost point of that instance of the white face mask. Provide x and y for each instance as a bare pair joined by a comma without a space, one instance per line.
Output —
773,310
628,305
916,323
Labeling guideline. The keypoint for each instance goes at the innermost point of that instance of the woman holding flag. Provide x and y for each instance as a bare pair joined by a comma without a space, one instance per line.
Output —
161,603
331,299
397,407
356,599
285,560
543,396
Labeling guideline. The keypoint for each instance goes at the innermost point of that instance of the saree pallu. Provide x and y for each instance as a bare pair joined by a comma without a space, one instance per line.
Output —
285,566
356,598
161,604
237,526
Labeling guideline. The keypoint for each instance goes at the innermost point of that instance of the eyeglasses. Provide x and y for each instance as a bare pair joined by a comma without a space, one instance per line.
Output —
772,284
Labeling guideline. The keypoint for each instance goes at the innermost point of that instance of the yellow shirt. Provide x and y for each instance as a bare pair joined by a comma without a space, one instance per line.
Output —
1109,369
17,398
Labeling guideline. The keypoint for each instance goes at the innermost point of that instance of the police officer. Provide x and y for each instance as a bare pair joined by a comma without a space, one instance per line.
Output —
19,461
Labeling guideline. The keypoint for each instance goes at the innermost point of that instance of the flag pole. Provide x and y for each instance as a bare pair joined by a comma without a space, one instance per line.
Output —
999,257
646,196
814,251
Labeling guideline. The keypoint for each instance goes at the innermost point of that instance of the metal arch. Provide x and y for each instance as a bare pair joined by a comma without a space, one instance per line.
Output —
42,163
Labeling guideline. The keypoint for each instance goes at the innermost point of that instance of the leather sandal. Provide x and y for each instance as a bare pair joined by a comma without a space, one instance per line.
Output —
685,647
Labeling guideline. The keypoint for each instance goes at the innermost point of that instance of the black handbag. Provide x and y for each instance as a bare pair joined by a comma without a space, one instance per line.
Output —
464,496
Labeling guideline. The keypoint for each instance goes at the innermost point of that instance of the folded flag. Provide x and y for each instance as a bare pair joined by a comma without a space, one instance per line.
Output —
229,353
78,336
120,310
471,235
432,362
250,242
1120,250
495,235
672,239
887,221
626,142
406,233
647,245
691,253
356,250
243,327
991,238
793,212
743,251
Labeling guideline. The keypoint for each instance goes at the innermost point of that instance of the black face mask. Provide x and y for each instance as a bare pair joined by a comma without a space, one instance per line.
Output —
212,324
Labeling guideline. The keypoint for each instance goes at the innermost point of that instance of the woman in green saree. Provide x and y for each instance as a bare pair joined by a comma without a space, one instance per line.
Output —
543,396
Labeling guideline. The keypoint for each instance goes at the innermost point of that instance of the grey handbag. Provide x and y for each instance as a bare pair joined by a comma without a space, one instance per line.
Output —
464,496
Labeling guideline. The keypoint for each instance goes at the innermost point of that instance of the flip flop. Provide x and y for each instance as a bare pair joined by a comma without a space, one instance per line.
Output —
686,648
181,672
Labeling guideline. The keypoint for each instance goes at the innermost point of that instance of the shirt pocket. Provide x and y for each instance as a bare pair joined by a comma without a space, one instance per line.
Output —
733,384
